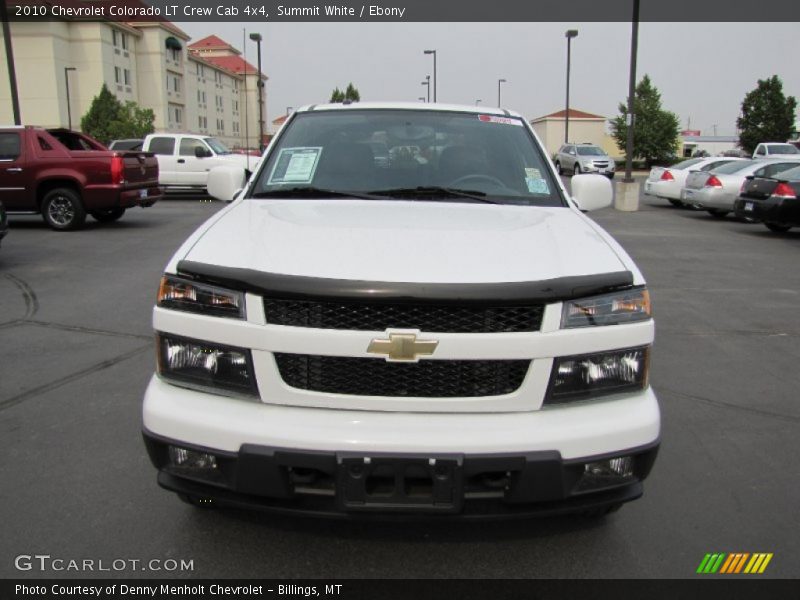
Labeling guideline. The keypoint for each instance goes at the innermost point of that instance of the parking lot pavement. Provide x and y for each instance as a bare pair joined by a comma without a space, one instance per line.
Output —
76,355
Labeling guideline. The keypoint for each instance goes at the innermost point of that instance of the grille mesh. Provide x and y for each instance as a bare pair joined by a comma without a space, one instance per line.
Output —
425,317
377,377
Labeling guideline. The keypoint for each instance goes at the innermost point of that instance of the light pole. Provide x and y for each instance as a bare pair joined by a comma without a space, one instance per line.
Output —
289,110
427,83
571,33
12,73
69,108
478,101
256,37
499,81
631,92
434,71
421,98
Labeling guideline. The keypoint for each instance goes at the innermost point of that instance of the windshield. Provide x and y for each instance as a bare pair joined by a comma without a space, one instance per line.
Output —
408,154
590,151
217,146
734,167
792,174
783,149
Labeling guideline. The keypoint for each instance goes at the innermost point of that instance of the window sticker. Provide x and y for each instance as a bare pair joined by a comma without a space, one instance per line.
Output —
537,185
295,165
533,173
503,120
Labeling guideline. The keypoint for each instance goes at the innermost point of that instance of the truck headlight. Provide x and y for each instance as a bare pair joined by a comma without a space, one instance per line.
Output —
608,309
590,375
190,296
205,365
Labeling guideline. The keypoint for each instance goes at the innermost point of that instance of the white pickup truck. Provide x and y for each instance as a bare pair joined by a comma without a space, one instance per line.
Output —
435,327
184,159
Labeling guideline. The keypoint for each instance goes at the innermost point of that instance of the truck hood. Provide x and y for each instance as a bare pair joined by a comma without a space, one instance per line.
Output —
401,241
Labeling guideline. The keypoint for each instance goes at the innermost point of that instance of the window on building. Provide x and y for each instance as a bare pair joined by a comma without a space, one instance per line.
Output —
127,74
236,84
162,145
220,125
235,106
117,75
115,37
9,146
176,83
178,116
200,70
124,37
236,127
175,54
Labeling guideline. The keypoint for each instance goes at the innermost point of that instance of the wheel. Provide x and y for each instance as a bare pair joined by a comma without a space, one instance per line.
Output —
62,209
674,202
600,511
559,169
107,216
777,227
718,212
577,169
197,501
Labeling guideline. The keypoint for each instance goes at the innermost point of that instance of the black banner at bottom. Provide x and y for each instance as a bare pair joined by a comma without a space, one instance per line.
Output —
388,589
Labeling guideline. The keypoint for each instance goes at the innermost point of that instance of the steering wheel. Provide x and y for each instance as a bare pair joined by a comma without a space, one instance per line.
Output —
477,177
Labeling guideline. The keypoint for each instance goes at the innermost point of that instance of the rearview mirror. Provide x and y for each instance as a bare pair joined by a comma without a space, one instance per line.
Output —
225,182
591,192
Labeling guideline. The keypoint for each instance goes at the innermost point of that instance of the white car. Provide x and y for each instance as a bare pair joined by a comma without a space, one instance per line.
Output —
184,160
776,150
716,190
667,182
435,329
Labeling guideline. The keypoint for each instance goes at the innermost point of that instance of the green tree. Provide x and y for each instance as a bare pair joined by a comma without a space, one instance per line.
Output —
349,95
767,115
108,119
655,130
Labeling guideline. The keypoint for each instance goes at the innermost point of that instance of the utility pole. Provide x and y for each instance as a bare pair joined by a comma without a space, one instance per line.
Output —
256,37
12,73
632,92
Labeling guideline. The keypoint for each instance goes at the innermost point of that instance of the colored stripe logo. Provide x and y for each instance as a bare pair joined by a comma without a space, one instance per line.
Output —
735,563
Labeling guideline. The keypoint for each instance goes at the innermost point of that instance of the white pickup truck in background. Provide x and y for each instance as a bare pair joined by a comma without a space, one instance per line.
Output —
184,160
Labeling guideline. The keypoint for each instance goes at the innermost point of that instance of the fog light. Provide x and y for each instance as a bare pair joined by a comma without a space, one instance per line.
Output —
606,473
191,459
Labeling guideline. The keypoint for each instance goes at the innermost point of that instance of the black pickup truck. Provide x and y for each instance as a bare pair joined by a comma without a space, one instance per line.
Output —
771,200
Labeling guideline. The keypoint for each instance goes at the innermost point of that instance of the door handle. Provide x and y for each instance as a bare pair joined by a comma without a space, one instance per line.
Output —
181,161
14,170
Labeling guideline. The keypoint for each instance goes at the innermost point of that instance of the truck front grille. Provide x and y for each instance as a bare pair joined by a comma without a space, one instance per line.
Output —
365,316
377,377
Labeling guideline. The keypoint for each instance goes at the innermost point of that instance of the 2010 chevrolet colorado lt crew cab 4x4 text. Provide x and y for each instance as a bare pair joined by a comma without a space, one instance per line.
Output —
403,311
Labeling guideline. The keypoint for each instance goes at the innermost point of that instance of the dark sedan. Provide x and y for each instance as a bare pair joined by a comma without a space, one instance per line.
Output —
771,200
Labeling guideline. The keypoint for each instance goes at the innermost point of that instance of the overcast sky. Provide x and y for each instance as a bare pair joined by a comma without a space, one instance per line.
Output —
703,70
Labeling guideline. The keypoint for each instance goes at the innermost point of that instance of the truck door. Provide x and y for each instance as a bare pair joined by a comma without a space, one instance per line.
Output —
194,170
13,185
164,149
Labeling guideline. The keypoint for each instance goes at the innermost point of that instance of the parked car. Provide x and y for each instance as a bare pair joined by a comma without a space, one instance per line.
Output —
716,190
772,200
65,175
184,160
776,150
584,158
130,144
3,222
667,182
439,332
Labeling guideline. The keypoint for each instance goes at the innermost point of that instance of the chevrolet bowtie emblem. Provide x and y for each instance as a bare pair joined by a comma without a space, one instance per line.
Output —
402,346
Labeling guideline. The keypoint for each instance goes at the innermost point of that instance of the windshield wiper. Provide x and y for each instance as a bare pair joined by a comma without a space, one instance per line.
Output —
435,192
312,192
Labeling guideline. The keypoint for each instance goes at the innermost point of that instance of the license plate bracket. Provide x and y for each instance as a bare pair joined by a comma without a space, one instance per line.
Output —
748,206
400,483
143,193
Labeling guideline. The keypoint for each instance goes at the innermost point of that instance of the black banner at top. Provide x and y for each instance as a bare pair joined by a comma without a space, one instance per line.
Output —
408,10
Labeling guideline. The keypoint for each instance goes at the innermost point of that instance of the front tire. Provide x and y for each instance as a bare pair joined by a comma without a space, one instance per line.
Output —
777,227
577,169
559,169
63,210
108,216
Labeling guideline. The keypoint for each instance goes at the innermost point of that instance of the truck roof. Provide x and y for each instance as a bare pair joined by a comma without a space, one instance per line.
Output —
478,110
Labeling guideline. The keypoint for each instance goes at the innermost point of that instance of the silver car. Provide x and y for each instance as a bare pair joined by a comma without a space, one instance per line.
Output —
717,189
584,158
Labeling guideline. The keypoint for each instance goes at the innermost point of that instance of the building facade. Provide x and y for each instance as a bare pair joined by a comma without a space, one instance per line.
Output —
151,64
583,127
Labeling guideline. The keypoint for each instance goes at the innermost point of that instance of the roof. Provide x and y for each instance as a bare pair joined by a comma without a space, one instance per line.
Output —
477,110
711,138
235,64
160,22
573,114
212,42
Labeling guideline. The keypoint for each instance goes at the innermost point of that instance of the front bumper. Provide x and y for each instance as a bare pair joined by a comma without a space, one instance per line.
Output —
782,211
296,459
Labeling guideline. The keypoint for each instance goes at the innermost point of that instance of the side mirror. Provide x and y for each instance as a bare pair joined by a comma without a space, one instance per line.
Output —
201,152
225,182
591,192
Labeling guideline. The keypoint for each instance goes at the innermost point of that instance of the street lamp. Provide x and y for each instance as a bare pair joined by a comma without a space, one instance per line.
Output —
427,83
289,110
256,37
478,101
69,108
571,33
499,81
421,98
434,71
